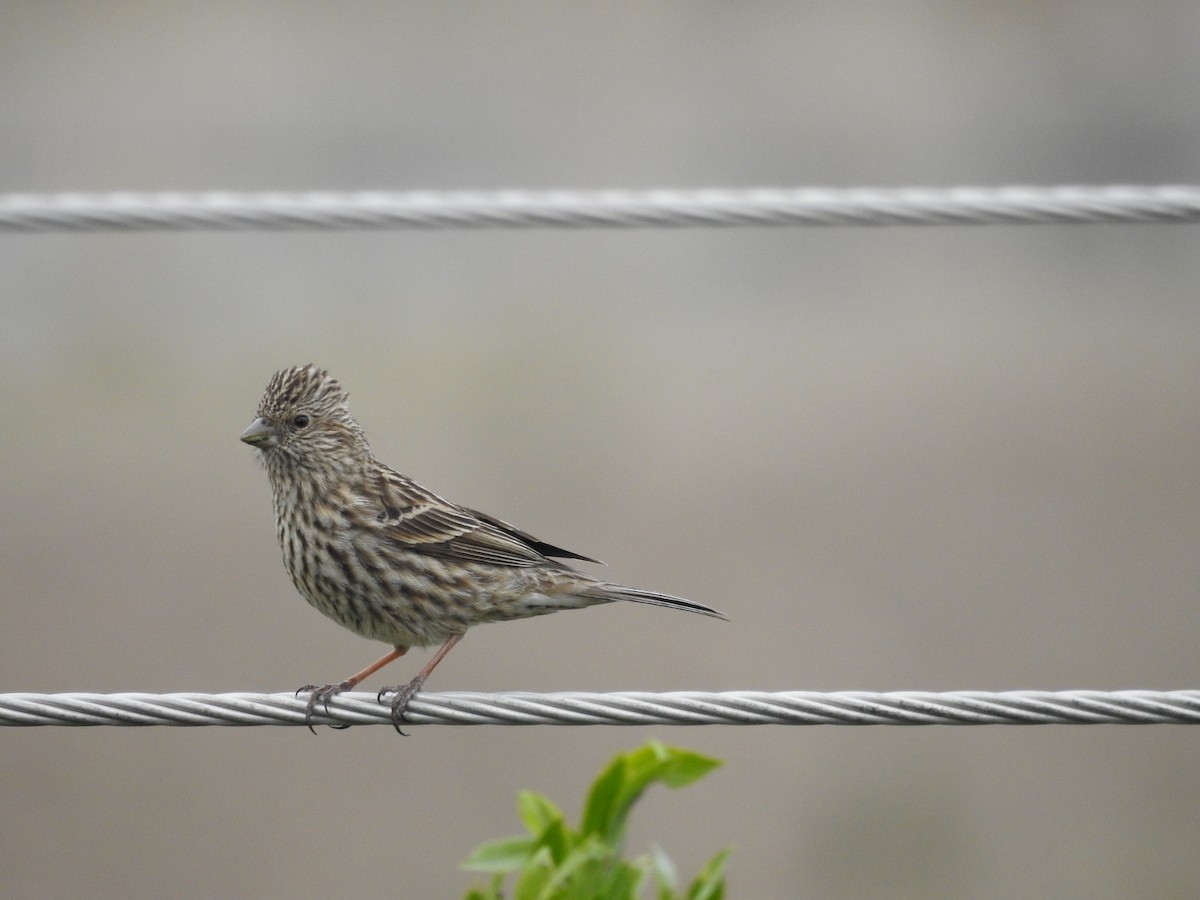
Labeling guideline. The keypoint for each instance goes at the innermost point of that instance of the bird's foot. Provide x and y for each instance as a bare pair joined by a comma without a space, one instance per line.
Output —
322,694
404,693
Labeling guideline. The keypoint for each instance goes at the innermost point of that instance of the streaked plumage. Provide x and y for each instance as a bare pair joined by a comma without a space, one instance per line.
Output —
388,559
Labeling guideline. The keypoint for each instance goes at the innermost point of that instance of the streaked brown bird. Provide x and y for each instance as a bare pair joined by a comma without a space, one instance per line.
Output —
390,560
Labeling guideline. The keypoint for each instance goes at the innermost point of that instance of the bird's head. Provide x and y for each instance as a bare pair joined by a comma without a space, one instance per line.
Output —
304,417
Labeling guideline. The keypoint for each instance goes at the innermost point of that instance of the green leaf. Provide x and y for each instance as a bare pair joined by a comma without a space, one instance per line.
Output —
535,877
673,766
628,775
504,855
600,807
624,882
709,883
536,811
494,891
581,874
558,839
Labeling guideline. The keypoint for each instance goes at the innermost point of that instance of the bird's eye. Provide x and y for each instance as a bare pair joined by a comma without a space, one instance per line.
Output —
300,421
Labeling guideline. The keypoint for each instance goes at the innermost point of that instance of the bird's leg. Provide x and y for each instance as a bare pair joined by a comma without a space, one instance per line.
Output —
404,693
323,693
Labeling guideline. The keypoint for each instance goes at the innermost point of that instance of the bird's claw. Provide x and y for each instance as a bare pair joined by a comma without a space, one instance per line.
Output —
403,694
322,694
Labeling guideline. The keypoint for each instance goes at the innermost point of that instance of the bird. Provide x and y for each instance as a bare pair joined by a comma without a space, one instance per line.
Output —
389,559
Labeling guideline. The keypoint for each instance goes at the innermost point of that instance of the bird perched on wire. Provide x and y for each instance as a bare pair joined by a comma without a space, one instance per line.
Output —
390,560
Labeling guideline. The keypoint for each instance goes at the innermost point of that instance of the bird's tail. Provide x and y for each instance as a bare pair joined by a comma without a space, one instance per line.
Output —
611,592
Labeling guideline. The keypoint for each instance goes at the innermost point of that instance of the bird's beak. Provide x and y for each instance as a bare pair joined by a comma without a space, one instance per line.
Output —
261,433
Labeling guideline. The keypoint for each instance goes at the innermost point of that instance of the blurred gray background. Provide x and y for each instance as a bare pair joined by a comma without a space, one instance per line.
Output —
942,458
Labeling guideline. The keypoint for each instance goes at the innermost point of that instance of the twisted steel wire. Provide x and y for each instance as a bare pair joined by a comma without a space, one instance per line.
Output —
612,209
1080,707
597,209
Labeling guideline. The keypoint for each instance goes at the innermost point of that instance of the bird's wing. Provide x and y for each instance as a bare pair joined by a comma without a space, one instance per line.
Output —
420,520
540,546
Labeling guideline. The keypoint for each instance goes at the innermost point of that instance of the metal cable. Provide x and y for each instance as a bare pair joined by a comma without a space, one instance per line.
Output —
597,209
626,708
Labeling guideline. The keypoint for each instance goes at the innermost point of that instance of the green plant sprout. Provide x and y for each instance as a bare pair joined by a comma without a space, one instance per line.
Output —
558,862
